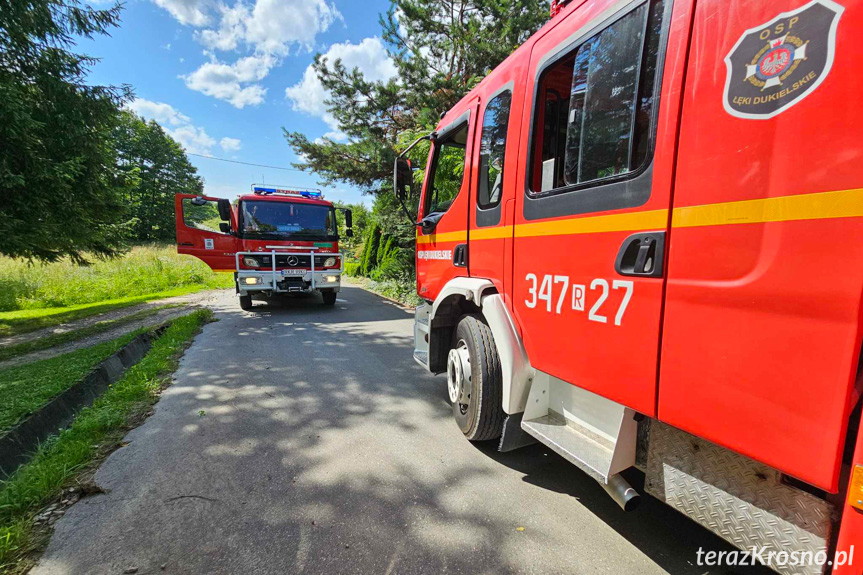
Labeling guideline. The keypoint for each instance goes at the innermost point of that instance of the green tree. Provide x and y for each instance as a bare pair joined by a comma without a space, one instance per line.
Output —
441,49
156,167
62,192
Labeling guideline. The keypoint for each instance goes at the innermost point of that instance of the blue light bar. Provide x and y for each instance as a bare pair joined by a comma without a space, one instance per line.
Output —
302,193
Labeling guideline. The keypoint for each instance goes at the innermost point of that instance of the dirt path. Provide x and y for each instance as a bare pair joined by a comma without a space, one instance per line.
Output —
185,303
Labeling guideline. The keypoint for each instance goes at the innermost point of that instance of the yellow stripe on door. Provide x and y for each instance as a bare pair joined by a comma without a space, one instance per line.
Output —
821,205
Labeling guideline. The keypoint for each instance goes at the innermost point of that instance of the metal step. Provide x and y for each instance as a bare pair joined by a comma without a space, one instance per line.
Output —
586,450
421,334
422,358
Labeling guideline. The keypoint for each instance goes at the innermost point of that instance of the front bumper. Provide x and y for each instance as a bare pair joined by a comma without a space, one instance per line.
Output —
266,281
272,280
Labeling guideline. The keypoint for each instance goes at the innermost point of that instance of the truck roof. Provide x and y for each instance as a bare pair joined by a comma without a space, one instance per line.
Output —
284,198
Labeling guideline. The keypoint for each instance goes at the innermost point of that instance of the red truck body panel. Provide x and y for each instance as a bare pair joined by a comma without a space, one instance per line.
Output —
751,336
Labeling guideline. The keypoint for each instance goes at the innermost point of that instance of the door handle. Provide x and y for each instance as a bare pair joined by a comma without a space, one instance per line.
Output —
642,255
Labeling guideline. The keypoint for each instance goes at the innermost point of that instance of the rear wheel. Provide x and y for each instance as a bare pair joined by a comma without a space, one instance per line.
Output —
474,380
329,297
246,302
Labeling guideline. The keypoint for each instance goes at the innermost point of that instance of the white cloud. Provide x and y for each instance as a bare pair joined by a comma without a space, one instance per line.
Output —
190,12
265,30
309,95
193,138
270,26
230,144
336,136
235,83
165,114
180,127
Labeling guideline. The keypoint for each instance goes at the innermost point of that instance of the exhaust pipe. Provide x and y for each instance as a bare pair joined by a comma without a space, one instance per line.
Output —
622,492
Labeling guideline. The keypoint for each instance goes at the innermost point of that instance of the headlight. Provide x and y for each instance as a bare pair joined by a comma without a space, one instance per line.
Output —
329,262
251,280
331,279
251,262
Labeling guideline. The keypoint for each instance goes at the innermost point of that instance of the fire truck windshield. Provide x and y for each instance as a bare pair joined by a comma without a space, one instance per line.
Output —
280,220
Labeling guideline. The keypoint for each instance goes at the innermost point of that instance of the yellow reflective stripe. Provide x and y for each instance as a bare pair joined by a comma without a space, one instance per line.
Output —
459,236
822,205
817,206
651,220
491,233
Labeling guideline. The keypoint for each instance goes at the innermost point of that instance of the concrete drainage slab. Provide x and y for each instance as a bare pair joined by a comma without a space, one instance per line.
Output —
19,443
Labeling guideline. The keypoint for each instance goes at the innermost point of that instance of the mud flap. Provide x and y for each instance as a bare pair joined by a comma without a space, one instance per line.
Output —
513,436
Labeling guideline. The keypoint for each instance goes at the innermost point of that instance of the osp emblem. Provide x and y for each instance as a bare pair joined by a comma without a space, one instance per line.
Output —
775,65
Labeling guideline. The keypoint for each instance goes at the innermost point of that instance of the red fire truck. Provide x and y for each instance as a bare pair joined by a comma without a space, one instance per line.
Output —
276,240
652,258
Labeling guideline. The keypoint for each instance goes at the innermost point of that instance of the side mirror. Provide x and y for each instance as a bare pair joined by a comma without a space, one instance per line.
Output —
224,228
349,219
403,178
349,233
225,210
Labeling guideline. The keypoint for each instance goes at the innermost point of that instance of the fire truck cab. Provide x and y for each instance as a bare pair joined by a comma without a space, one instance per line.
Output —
639,241
276,240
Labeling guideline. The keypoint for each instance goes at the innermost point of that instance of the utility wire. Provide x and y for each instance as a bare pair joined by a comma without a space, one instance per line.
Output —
244,163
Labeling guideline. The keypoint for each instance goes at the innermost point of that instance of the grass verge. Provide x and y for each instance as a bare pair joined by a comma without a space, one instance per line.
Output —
96,431
27,320
60,338
26,388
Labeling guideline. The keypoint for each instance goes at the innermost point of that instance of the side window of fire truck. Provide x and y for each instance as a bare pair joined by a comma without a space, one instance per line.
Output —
447,171
492,148
201,216
593,120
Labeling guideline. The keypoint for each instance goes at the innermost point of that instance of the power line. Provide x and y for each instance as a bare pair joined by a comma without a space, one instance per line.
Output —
244,163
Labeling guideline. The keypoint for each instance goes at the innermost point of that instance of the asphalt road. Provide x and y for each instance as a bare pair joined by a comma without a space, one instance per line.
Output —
304,439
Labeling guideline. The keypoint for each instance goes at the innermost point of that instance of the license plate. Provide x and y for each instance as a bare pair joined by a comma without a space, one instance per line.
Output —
293,272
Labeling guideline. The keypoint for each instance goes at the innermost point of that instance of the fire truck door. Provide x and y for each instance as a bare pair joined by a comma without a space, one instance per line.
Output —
761,332
198,231
495,178
590,230
442,237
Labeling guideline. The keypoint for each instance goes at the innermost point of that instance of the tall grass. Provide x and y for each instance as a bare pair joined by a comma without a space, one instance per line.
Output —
144,270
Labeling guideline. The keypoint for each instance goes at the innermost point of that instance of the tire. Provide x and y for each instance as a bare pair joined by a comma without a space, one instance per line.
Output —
482,418
329,297
246,302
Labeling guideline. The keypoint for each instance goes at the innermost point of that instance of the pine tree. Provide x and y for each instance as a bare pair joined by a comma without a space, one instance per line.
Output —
441,49
61,191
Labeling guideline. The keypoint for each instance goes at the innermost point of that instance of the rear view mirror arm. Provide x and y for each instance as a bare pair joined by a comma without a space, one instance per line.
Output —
431,137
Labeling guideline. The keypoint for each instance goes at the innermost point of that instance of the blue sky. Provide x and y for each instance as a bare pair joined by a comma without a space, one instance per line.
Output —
223,77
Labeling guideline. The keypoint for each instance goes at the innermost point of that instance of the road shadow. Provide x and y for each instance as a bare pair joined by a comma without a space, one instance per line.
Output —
302,439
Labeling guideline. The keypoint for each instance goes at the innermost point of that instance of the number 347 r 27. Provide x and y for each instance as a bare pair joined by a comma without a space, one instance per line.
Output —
559,294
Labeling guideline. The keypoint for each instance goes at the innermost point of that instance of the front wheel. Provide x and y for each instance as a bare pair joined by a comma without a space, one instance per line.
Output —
329,297
474,380
245,302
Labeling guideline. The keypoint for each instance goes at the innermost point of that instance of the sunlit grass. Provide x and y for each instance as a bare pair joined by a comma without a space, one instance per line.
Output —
144,270
35,296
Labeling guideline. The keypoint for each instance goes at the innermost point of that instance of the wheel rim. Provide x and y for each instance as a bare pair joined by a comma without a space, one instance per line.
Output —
458,375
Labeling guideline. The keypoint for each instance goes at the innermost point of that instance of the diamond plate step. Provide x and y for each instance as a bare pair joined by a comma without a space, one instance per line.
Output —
741,500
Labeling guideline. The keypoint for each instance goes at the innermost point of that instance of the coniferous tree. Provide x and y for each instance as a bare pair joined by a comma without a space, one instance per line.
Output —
441,49
62,194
